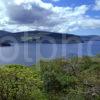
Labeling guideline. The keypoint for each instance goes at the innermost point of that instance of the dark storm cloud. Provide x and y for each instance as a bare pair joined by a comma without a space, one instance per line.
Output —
22,14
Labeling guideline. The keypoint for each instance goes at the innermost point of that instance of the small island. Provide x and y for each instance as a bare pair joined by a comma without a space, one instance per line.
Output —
4,44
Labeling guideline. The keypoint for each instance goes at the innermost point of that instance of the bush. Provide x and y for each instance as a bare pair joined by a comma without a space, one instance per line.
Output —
20,83
55,77
86,62
74,79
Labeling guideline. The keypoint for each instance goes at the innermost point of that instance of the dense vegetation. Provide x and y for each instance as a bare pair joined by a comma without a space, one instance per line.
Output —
60,79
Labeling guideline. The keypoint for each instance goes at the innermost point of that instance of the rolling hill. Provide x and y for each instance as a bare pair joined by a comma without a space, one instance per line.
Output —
44,37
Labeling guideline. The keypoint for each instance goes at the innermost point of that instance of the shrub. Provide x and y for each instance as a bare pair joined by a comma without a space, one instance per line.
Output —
86,62
20,83
55,78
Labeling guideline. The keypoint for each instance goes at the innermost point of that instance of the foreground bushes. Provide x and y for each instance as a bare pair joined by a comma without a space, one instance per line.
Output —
72,79
76,79
20,83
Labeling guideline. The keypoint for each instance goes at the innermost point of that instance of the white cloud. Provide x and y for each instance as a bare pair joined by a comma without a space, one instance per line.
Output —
55,0
97,5
23,15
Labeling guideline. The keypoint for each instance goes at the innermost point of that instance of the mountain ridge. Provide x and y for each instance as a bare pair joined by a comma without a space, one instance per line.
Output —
46,37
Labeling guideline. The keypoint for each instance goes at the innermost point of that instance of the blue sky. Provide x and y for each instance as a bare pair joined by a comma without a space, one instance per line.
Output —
70,2
90,12
80,17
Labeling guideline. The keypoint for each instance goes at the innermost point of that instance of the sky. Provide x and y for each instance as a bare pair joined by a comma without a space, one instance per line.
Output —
81,17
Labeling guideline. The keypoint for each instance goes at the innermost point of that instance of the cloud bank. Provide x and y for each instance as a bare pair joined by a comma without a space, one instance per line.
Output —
97,5
25,15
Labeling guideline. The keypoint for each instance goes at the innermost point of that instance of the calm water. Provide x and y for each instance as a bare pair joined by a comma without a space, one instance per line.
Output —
28,54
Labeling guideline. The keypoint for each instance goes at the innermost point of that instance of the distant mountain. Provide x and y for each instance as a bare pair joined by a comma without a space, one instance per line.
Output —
43,37
90,38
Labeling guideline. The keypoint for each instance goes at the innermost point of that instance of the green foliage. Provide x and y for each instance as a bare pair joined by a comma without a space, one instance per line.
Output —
73,77
98,55
86,62
20,83
55,78
49,71
59,79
